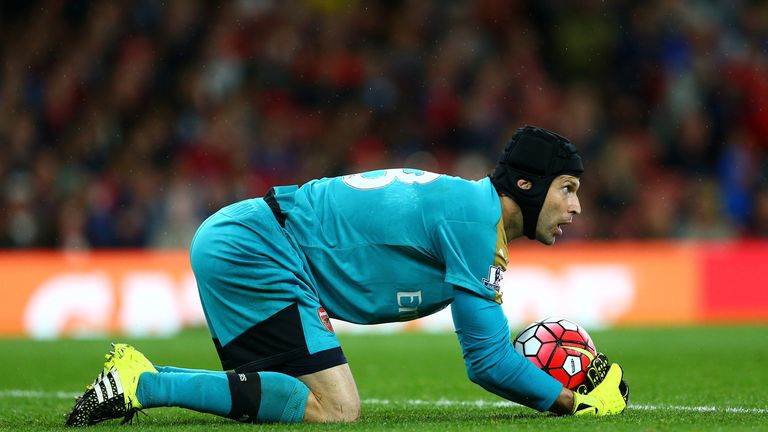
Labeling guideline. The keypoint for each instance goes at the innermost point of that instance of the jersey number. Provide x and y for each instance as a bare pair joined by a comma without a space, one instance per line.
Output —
380,179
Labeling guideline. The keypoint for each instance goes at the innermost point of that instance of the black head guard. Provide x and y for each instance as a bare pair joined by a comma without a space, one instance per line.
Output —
539,156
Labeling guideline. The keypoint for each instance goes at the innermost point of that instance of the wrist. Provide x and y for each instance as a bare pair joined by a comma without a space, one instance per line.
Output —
563,405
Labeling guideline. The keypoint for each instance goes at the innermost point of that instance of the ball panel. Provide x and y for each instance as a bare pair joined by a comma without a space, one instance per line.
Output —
560,375
577,380
519,347
544,334
536,362
568,325
545,353
558,358
555,328
531,347
572,365
573,336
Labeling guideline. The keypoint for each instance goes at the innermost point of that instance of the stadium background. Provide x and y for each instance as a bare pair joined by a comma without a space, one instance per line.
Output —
124,124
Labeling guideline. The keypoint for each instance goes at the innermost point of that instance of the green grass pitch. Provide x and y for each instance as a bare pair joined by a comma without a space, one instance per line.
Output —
704,378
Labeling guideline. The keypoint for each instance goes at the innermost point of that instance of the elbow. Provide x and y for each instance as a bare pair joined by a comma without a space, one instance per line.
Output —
492,375
471,375
479,376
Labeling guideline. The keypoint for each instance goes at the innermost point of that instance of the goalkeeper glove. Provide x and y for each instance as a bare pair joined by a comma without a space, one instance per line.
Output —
596,372
607,398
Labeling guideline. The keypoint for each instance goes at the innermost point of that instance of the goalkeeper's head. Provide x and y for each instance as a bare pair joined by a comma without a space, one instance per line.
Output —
531,161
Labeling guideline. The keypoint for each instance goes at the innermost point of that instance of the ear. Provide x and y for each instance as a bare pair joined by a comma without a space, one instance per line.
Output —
524,184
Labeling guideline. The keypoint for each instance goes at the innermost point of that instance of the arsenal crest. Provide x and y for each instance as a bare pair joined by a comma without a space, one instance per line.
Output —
325,319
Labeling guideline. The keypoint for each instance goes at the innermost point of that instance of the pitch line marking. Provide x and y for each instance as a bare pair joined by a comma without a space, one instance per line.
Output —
484,403
33,394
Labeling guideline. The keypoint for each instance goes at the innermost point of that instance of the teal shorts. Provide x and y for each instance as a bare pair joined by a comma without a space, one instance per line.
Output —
258,294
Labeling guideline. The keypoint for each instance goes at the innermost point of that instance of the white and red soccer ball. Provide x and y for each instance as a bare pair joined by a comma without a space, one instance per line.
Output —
559,347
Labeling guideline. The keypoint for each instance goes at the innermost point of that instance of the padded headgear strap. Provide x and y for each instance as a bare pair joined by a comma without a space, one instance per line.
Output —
539,156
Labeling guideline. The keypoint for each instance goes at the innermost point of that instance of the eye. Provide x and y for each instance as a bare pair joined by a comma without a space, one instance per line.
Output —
569,188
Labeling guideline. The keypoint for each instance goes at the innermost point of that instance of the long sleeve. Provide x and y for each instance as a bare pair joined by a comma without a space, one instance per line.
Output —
490,359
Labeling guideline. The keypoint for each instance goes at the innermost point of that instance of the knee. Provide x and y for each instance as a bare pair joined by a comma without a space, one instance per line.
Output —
327,410
348,412
343,412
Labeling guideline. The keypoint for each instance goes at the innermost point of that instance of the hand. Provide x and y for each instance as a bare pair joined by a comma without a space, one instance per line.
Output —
609,397
596,372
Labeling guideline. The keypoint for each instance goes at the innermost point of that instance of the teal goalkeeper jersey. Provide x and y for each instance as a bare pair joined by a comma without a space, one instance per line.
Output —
395,244
390,245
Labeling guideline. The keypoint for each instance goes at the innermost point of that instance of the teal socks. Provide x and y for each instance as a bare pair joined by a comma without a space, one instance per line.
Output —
259,397
206,392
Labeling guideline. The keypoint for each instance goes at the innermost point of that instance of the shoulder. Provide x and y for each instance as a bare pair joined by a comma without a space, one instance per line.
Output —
472,200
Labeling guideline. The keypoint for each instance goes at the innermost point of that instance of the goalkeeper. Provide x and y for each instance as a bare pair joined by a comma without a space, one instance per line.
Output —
383,246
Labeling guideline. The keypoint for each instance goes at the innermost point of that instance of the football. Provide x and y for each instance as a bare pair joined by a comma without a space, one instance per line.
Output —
559,347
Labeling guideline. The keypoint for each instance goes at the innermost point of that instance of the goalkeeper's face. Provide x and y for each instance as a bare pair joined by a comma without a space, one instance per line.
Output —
560,205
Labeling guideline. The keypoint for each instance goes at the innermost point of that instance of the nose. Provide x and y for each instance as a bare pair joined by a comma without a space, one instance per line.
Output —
574,206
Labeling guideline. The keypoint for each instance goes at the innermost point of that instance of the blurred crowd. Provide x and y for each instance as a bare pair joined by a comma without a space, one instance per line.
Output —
125,124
